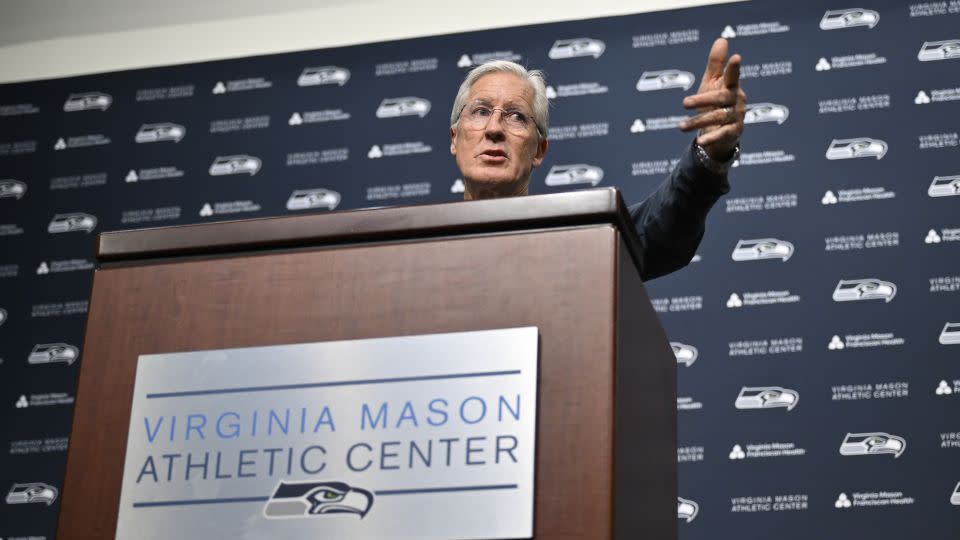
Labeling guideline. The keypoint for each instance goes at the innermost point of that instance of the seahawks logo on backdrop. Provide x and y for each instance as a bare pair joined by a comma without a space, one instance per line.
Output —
313,499
874,443
686,509
849,18
766,397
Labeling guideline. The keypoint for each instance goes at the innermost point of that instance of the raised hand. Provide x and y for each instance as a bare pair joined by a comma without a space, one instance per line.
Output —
720,102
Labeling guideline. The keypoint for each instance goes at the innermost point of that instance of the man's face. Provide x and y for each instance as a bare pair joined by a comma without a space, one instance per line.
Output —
493,155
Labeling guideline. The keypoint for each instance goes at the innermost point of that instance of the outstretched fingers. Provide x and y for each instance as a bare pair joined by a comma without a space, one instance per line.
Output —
720,102
724,97
715,61
716,117
731,76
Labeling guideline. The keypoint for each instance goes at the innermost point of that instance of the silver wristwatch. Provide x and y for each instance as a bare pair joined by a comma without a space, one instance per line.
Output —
712,165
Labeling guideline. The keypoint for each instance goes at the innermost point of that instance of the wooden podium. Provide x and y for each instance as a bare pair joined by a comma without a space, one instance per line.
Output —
566,263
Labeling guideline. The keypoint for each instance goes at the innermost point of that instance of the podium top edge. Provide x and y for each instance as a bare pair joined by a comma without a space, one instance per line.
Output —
369,224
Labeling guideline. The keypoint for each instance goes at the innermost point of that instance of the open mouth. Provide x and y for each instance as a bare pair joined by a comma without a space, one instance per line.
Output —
494,155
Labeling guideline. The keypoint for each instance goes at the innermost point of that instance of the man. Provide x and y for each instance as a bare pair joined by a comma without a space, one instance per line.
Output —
498,135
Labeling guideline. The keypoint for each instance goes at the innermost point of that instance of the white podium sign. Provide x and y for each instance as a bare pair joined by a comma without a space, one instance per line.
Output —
418,437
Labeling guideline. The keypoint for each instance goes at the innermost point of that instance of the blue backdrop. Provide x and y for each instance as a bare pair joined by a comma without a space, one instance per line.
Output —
817,331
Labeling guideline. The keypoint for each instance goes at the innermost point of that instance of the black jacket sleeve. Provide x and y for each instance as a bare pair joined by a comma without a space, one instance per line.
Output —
671,221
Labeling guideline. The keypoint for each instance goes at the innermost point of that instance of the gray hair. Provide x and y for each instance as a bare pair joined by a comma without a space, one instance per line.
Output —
533,77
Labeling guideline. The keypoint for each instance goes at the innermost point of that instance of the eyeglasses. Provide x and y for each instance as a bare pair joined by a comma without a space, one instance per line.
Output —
476,116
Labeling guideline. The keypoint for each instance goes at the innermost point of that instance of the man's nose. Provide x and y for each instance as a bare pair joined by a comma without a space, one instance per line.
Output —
494,128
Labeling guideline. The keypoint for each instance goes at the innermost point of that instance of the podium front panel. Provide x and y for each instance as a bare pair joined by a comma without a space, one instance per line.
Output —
559,280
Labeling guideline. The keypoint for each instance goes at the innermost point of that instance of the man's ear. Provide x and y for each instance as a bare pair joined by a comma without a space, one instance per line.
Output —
453,141
542,146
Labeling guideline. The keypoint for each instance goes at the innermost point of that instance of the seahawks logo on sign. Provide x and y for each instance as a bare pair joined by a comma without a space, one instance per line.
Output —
310,499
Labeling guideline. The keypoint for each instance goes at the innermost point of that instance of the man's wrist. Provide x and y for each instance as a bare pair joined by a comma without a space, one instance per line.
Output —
713,165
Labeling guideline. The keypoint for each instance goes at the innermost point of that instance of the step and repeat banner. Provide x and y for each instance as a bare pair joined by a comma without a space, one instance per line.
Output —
817,331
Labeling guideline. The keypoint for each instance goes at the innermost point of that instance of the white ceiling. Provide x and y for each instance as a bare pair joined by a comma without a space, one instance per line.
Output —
43,39
23,21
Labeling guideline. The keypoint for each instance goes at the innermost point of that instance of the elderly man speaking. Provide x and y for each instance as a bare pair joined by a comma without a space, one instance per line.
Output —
498,134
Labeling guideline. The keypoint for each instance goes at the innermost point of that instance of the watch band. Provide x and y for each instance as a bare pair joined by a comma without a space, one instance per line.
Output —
712,165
